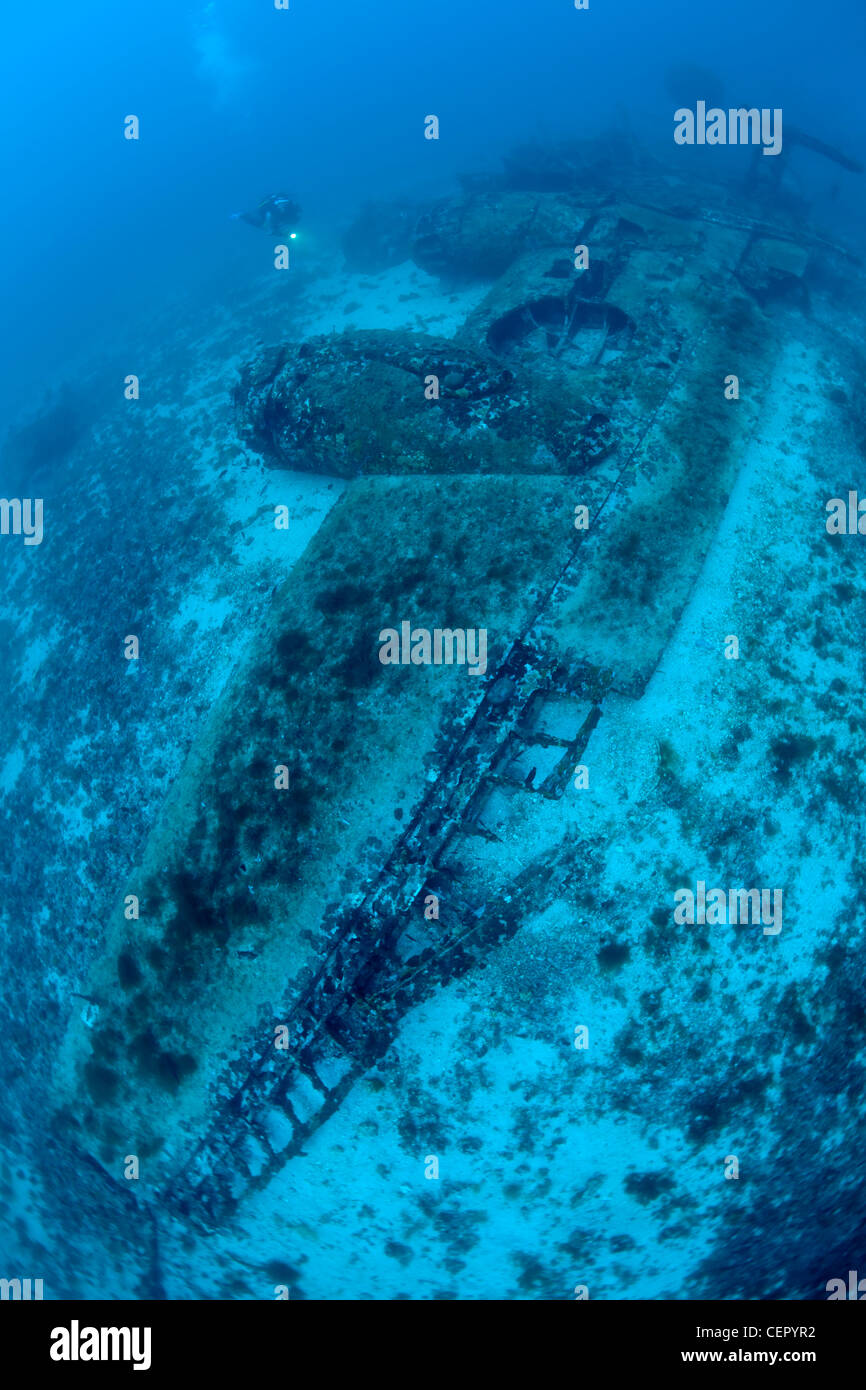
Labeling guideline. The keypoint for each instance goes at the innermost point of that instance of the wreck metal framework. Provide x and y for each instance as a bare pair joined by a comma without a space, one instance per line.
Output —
380,959
380,956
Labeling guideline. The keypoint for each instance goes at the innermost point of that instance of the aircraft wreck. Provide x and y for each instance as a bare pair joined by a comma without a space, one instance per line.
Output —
284,936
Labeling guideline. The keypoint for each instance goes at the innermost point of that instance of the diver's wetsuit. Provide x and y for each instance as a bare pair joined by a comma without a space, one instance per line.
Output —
277,213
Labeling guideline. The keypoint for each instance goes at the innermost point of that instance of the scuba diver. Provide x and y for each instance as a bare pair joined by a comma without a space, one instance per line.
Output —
277,213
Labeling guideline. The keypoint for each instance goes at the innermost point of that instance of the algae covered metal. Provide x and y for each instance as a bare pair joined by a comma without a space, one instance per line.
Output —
557,474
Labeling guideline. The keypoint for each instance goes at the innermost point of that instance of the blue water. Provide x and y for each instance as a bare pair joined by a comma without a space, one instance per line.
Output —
235,99
123,257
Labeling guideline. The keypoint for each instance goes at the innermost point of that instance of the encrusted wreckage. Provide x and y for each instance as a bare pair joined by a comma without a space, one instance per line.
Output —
599,385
